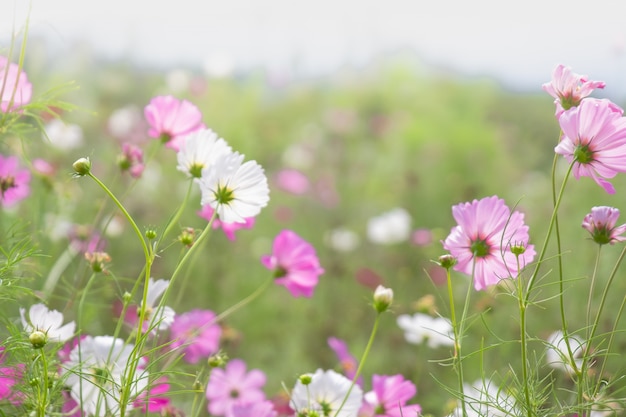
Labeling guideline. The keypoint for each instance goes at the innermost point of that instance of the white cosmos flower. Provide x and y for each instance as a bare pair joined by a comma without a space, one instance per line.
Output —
325,394
557,354
50,322
94,374
391,227
199,150
236,190
420,328
157,318
63,136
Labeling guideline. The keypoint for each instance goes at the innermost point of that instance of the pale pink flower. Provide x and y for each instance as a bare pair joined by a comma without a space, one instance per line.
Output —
15,89
594,139
233,385
256,409
196,333
171,119
229,229
14,182
84,238
43,167
601,224
131,160
292,181
569,88
388,398
482,241
294,263
348,363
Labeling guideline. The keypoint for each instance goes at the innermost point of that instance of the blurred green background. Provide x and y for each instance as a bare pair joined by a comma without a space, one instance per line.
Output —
394,134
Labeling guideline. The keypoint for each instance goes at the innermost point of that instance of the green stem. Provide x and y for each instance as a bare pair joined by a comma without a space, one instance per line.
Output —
368,347
523,340
594,327
542,254
457,342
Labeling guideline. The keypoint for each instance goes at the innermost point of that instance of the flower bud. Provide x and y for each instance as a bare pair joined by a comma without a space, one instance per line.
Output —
218,360
38,339
447,261
82,167
151,233
383,297
187,236
305,379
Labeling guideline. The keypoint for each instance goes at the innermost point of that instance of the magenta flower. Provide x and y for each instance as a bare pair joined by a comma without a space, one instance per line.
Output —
601,224
15,89
348,363
257,409
294,263
155,399
10,376
131,160
171,119
229,229
196,333
388,398
483,240
233,385
568,88
14,182
594,139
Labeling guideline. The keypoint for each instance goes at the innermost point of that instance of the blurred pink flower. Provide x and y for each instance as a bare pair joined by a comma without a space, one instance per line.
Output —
14,182
171,119
233,385
15,89
294,263
9,377
601,224
256,409
349,364
131,160
228,228
84,238
482,240
43,167
594,139
154,400
422,237
292,181
388,398
569,88
197,333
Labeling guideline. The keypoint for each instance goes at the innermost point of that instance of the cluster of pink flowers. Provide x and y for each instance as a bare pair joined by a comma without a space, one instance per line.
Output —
594,130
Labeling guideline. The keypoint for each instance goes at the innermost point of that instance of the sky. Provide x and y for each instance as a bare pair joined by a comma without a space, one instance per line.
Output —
518,42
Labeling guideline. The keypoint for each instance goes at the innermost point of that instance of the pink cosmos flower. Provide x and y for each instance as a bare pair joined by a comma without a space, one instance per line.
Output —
601,224
171,119
482,241
131,160
568,88
233,385
84,238
9,377
594,139
258,409
14,182
349,364
294,263
388,398
15,89
197,333
292,181
229,229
